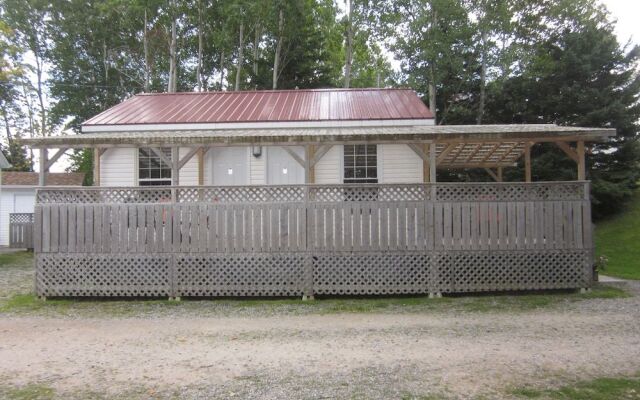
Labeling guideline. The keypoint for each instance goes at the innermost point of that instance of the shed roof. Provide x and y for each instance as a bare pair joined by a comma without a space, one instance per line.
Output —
19,178
265,106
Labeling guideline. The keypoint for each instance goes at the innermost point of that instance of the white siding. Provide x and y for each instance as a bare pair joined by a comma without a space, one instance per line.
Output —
13,200
397,163
257,167
118,167
329,168
189,173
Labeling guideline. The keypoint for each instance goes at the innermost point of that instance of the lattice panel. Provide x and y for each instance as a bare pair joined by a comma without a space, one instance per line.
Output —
516,270
511,191
242,194
240,275
105,195
320,193
340,193
18,218
103,275
381,273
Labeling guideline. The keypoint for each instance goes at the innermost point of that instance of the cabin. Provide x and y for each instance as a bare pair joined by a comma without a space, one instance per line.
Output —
306,193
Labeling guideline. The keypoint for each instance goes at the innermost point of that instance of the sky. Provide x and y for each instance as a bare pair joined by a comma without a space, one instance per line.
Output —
626,12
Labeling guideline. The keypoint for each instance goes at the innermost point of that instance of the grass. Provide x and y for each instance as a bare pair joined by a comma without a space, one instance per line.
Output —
617,238
29,304
17,259
597,389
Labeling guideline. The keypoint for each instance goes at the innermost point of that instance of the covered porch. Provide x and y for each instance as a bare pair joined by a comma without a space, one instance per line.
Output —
321,239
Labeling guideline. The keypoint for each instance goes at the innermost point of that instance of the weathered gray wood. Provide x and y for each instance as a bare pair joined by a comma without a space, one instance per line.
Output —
360,234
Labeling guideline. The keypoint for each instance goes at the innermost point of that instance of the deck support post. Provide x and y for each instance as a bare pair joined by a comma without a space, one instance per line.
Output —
499,173
426,165
44,160
309,170
527,162
201,166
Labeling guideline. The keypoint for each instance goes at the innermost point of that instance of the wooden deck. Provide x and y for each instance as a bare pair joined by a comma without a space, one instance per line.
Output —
313,239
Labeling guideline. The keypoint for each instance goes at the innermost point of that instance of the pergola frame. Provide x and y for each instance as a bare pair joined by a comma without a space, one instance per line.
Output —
488,147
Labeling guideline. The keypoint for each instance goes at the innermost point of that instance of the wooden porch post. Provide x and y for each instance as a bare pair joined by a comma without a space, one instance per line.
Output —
309,160
309,176
175,166
44,159
96,166
201,166
426,170
499,170
432,162
527,162
581,161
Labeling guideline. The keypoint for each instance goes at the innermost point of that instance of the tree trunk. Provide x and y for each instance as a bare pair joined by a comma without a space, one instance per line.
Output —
6,125
276,58
256,48
200,47
240,56
39,91
432,72
348,59
145,44
483,79
173,74
222,62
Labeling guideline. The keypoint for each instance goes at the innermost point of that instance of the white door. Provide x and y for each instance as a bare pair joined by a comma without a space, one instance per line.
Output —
282,169
230,166
23,203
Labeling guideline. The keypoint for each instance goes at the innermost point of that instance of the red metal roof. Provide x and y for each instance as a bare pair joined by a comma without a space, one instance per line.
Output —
265,106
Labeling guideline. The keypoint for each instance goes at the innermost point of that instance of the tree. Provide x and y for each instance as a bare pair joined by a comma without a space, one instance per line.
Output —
581,76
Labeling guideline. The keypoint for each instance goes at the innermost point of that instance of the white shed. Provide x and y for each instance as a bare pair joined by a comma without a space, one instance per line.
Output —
18,192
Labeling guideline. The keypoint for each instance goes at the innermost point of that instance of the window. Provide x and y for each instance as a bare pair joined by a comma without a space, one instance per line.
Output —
152,171
360,163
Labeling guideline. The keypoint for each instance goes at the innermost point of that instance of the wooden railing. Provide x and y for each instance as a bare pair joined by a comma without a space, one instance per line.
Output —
316,239
21,230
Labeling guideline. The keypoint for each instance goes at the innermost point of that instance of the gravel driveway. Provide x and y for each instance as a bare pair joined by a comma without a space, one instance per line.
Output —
324,356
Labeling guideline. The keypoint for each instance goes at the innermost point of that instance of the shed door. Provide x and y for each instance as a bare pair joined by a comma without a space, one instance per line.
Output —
282,169
230,166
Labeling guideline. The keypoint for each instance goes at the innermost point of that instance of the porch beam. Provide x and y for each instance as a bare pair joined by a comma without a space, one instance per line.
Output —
319,153
490,152
188,157
527,161
56,157
296,157
419,152
42,176
492,174
569,150
508,152
445,152
473,152
164,158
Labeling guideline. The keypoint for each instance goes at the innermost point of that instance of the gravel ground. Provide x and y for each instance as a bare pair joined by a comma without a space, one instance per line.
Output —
324,356
252,353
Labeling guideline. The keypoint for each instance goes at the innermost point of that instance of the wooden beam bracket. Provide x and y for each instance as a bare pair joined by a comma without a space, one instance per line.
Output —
162,156
295,156
55,157
322,150
568,150
188,157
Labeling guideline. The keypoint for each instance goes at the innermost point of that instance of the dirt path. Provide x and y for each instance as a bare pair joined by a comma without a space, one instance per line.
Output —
316,356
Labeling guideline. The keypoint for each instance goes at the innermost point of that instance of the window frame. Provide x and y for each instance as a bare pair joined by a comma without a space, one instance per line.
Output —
371,163
164,171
